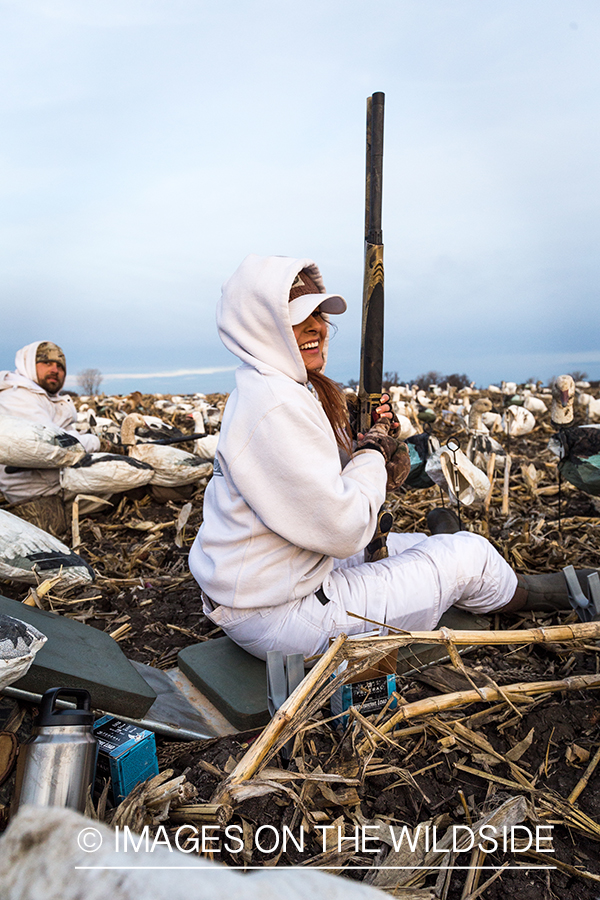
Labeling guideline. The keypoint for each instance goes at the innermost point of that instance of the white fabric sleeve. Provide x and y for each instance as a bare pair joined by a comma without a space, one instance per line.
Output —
91,442
289,472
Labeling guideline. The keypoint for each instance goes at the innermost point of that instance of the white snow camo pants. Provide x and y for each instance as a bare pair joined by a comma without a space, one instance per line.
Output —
411,589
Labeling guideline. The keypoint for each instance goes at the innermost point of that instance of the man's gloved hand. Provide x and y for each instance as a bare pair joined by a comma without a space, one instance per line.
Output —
395,453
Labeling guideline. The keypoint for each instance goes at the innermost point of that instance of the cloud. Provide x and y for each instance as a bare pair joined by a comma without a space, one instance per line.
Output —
176,373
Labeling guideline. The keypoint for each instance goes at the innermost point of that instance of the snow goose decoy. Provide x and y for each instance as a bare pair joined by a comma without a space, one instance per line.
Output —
205,446
535,405
592,406
103,474
563,396
30,555
172,467
481,446
517,421
452,470
30,445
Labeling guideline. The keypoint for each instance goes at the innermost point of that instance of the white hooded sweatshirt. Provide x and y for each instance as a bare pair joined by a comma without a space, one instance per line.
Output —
279,507
21,395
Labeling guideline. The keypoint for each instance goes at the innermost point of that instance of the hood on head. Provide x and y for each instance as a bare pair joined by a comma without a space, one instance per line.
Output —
253,314
25,361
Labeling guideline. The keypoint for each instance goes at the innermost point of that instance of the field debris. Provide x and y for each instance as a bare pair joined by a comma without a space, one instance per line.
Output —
506,736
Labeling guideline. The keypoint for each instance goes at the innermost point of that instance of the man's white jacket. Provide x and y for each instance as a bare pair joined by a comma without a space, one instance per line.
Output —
21,395
280,506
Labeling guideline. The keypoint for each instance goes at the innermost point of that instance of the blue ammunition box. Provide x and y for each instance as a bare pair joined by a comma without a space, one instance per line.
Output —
126,755
369,696
368,691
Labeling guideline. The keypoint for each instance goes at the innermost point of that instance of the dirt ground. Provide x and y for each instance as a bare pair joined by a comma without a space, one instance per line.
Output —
146,598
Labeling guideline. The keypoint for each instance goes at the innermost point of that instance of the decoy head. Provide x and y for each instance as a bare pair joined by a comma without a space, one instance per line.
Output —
477,410
128,427
563,395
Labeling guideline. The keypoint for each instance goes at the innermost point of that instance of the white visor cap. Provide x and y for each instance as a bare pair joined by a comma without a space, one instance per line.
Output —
301,308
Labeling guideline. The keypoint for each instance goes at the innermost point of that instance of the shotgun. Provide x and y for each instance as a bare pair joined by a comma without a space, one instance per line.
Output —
371,344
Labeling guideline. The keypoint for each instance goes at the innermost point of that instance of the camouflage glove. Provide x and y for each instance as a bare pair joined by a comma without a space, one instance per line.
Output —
395,454
386,407
352,404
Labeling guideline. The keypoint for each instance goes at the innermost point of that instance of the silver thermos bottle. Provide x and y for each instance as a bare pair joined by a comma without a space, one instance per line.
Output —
56,766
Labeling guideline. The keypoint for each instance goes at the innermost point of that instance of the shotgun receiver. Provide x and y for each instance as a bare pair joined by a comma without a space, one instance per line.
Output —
371,344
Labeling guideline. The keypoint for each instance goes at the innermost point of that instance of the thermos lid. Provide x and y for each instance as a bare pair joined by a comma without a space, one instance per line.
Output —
50,716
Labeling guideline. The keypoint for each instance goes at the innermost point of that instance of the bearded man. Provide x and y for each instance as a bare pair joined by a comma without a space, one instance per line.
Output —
33,392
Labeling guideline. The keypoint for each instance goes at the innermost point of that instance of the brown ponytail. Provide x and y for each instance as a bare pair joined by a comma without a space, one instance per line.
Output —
333,401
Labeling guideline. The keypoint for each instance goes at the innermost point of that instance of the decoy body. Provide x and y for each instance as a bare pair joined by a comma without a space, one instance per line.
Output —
30,445
103,474
172,467
591,405
517,421
30,555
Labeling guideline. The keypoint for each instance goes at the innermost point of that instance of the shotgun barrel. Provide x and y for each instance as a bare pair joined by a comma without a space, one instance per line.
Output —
371,346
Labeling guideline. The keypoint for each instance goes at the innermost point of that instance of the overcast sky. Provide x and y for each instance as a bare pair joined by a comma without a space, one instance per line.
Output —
147,146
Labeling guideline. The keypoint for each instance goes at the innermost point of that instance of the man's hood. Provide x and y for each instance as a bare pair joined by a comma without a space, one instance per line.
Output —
253,317
25,374
25,361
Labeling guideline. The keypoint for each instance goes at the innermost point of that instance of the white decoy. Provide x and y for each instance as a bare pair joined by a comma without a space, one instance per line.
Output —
399,392
103,474
534,404
592,406
153,428
458,476
406,428
206,446
476,424
30,555
517,421
90,423
172,467
563,397
492,420
214,415
30,445
401,407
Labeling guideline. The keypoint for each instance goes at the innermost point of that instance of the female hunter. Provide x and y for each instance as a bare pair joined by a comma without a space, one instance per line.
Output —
292,503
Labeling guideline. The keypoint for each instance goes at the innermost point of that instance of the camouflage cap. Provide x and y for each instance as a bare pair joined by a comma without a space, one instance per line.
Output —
48,352
306,297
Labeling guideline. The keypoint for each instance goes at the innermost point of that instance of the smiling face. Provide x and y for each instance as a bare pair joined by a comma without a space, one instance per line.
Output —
311,335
